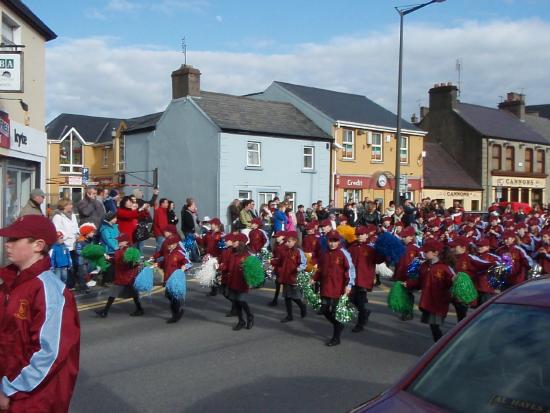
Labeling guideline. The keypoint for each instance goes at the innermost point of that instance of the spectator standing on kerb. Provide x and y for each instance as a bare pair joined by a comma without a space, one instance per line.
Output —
190,225
234,211
111,202
65,221
90,210
160,221
34,204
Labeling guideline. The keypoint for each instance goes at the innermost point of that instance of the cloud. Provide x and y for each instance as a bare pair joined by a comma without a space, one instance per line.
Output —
94,14
123,5
219,18
96,76
172,6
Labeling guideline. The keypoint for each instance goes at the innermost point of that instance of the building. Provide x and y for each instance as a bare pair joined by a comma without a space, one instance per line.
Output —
216,147
22,78
446,181
496,147
364,150
82,146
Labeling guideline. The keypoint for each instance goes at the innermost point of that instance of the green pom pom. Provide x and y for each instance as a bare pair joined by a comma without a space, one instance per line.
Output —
463,288
93,251
132,256
344,311
253,270
304,282
399,299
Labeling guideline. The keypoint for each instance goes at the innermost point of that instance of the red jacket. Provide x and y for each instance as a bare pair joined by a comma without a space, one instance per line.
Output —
471,265
482,281
210,242
543,258
225,263
494,240
309,243
435,281
235,280
364,259
160,221
333,273
125,273
39,339
127,220
276,261
520,263
173,261
291,261
411,252
257,240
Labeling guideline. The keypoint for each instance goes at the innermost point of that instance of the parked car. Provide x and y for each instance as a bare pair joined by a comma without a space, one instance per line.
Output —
495,361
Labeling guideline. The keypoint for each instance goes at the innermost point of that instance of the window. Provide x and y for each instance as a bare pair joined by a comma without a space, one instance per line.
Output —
244,195
510,158
10,31
348,150
19,183
540,165
528,160
105,157
352,195
290,197
475,205
253,154
265,197
309,156
497,157
404,150
70,154
121,154
376,148
74,194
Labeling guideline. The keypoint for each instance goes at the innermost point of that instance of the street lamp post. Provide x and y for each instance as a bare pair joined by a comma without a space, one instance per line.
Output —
403,11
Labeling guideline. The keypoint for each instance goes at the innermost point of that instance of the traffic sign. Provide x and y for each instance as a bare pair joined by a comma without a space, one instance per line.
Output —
403,183
85,175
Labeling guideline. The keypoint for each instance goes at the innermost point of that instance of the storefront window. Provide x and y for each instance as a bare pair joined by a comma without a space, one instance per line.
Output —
70,154
510,158
514,197
19,183
265,197
540,167
74,194
528,160
352,195
475,205
497,157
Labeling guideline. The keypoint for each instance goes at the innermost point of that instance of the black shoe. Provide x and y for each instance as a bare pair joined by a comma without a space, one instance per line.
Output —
239,326
137,313
333,342
287,319
102,313
358,328
367,315
377,283
249,322
175,319
273,303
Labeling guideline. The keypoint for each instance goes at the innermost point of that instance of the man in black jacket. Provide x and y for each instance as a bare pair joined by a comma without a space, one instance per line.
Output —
190,226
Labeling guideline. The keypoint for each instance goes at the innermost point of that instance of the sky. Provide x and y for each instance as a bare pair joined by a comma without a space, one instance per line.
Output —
114,57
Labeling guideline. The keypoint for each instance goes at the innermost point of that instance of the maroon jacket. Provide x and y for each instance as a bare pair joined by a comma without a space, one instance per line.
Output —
411,252
333,273
520,263
276,260
543,258
471,265
173,261
435,281
235,279
225,262
210,242
482,282
257,240
309,243
125,273
364,259
291,260
494,240
39,339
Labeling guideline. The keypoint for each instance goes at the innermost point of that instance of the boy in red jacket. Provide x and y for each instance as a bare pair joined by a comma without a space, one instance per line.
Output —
174,261
236,285
335,276
256,237
210,243
278,251
482,282
39,324
292,261
521,262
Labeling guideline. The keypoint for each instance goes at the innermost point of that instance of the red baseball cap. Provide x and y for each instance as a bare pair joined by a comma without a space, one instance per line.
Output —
241,238
173,239
342,217
334,236
361,229
229,237
407,232
257,221
311,225
325,223
433,245
508,234
372,228
31,226
170,228
460,242
291,234
520,225
279,234
483,242
215,221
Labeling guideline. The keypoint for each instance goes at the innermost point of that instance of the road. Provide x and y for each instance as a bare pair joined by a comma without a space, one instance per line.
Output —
201,365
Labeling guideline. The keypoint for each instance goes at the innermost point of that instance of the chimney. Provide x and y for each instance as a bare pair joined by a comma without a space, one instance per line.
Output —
186,81
443,96
515,104
414,119
423,112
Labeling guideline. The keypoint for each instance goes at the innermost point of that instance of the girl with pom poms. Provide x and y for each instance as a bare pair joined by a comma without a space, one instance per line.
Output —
292,260
175,260
236,284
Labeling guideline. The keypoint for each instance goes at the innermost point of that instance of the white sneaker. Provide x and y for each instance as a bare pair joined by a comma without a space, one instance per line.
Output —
91,283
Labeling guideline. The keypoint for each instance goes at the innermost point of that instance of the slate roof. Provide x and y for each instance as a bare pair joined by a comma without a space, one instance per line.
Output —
442,171
24,12
497,123
347,107
539,124
543,110
142,123
93,129
243,114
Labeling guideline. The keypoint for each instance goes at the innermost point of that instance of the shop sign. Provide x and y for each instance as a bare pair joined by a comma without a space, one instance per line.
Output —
352,182
4,130
11,70
511,181
74,180
26,139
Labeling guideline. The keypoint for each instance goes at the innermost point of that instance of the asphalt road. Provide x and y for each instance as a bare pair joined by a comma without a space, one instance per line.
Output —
201,365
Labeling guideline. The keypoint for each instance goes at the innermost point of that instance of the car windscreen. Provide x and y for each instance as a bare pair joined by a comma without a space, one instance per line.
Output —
498,363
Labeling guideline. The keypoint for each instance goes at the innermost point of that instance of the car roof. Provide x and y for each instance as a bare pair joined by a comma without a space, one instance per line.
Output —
535,292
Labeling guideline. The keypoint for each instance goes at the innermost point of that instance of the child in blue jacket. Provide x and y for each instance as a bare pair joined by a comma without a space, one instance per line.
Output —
109,233
61,258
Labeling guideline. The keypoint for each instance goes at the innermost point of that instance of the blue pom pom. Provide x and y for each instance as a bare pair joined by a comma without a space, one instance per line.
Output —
221,244
388,245
144,280
176,285
189,242
413,268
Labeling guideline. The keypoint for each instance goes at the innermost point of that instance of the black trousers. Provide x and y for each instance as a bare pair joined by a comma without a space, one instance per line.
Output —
328,308
359,299
461,310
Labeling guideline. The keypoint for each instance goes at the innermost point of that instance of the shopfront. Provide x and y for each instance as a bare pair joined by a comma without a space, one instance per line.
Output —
470,200
380,186
519,189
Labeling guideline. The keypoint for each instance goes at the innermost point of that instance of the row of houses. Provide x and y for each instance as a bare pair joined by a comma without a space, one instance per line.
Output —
306,144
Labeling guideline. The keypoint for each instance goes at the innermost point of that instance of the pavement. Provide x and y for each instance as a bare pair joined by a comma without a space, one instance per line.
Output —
142,364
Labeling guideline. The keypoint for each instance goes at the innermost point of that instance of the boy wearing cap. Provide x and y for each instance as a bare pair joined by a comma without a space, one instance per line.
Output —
482,282
494,232
210,243
292,261
174,261
257,238
39,324
542,251
336,275
224,264
521,262
236,285
276,260
61,258
309,244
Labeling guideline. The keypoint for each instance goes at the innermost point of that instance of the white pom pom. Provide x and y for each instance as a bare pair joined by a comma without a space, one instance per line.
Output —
384,271
206,275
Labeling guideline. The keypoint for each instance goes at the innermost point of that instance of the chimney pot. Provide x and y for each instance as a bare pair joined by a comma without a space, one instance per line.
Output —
186,81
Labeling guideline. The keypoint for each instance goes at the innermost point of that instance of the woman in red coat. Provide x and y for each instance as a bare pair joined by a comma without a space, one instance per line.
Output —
435,280
236,285
127,217
293,260
125,274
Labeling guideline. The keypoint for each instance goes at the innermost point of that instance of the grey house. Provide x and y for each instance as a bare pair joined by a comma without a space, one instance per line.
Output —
216,147
496,147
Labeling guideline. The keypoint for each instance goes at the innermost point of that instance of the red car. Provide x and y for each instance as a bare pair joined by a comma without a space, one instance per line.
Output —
495,361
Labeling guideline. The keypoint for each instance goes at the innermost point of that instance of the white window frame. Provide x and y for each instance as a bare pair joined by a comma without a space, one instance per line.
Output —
121,153
348,143
105,157
71,190
352,195
249,151
265,197
306,156
291,200
72,167
11,27
244,191
376,145
404,148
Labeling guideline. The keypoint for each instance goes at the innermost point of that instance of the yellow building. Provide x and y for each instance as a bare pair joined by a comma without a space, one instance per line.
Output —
82,150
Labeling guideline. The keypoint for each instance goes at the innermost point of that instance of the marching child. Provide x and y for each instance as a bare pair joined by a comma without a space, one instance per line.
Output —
257,238
278,250
542,251
309,244
210,243
125,274
521,262
336,277
108,234
292,261
482,282
61,258
236,284
174,261
223,270
87,234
